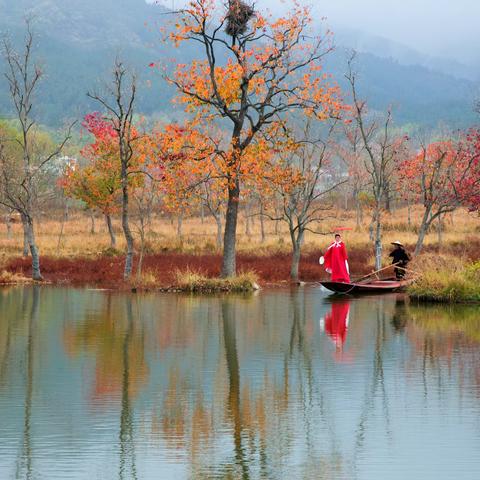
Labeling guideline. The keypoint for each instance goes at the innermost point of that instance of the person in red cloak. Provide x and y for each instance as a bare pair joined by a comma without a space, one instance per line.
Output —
335,261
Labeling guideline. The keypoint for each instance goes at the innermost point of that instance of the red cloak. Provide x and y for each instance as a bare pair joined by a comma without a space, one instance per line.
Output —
336,262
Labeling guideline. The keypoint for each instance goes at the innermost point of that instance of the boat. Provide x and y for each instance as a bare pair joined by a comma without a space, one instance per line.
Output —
369,286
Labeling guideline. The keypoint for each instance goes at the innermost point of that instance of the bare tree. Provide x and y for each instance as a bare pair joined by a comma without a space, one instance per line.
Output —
145,198
20,178
351,154
380,152
304,188
119,102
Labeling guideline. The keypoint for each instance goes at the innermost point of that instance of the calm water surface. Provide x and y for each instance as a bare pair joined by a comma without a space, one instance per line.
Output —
280,385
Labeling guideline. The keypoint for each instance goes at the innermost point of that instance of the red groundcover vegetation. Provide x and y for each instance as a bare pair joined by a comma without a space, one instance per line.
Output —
271,269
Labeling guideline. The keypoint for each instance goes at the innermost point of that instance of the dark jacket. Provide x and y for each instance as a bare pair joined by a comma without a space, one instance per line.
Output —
400,256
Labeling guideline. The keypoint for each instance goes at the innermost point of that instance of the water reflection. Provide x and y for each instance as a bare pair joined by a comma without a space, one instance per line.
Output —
335,322
140,387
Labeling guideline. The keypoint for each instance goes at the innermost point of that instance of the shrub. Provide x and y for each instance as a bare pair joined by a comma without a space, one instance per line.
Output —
190,280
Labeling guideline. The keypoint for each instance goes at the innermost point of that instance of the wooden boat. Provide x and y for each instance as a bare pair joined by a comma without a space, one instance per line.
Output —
368,286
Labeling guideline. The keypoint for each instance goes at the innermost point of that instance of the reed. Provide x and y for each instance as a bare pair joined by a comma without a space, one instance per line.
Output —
446,279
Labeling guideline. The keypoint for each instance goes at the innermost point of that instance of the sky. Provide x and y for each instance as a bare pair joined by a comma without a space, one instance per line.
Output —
443,28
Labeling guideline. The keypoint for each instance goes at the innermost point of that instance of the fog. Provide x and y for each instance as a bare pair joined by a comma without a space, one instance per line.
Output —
443,28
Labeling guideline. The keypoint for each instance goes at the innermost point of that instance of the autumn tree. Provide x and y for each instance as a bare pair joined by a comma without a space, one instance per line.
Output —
119,105
254,71
97,182
382,152
442,176
300,176
21,178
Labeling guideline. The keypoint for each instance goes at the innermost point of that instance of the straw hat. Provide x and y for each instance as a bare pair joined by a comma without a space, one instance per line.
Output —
396,242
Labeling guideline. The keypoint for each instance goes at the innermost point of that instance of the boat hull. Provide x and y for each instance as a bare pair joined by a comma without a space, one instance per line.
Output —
378,286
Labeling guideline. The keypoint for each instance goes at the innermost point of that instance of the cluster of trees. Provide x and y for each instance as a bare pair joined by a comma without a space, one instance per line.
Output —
262,122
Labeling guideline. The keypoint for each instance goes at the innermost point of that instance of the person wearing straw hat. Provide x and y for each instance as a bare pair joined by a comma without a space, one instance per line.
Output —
400,258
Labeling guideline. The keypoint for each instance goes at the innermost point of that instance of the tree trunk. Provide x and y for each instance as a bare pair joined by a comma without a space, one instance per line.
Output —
371,230
113,238
297,242
248,228
262,224
358,210
179,226
202,212
142,253
62,227
126,230
92,223
423,230
378,241
439,230
409,212
25,235
36,274
388,206
8,224
230,235
218,221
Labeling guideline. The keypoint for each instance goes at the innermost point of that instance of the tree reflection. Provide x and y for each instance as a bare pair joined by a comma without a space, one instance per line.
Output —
376,385
24,464
103,334
447,338
233,406
127,443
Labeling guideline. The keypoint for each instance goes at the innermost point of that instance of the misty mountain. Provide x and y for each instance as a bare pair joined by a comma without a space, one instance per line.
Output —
77,41
383,47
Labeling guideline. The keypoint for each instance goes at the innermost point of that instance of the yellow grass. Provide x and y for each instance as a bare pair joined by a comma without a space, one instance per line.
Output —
8,278
446,279
194,281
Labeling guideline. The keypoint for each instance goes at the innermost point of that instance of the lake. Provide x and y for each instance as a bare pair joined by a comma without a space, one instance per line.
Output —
282,384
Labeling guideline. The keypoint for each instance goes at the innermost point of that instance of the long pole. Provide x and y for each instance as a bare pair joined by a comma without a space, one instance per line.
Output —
373,273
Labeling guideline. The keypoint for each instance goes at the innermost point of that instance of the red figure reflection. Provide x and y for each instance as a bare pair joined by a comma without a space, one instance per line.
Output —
335,323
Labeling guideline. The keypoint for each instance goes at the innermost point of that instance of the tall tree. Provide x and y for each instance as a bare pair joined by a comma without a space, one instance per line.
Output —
382,151
300,177
119,103
442,176
97,182
20,181
254,71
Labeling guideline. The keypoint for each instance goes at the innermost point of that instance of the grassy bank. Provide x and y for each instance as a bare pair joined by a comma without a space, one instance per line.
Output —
446,279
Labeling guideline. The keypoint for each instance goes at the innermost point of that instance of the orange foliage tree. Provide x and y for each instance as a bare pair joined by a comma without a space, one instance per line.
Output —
97,183
254,71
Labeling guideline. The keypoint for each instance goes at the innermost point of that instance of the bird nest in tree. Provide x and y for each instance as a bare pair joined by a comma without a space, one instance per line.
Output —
238,16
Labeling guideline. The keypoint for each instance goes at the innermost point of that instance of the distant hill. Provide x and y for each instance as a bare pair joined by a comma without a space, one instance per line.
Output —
78,40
